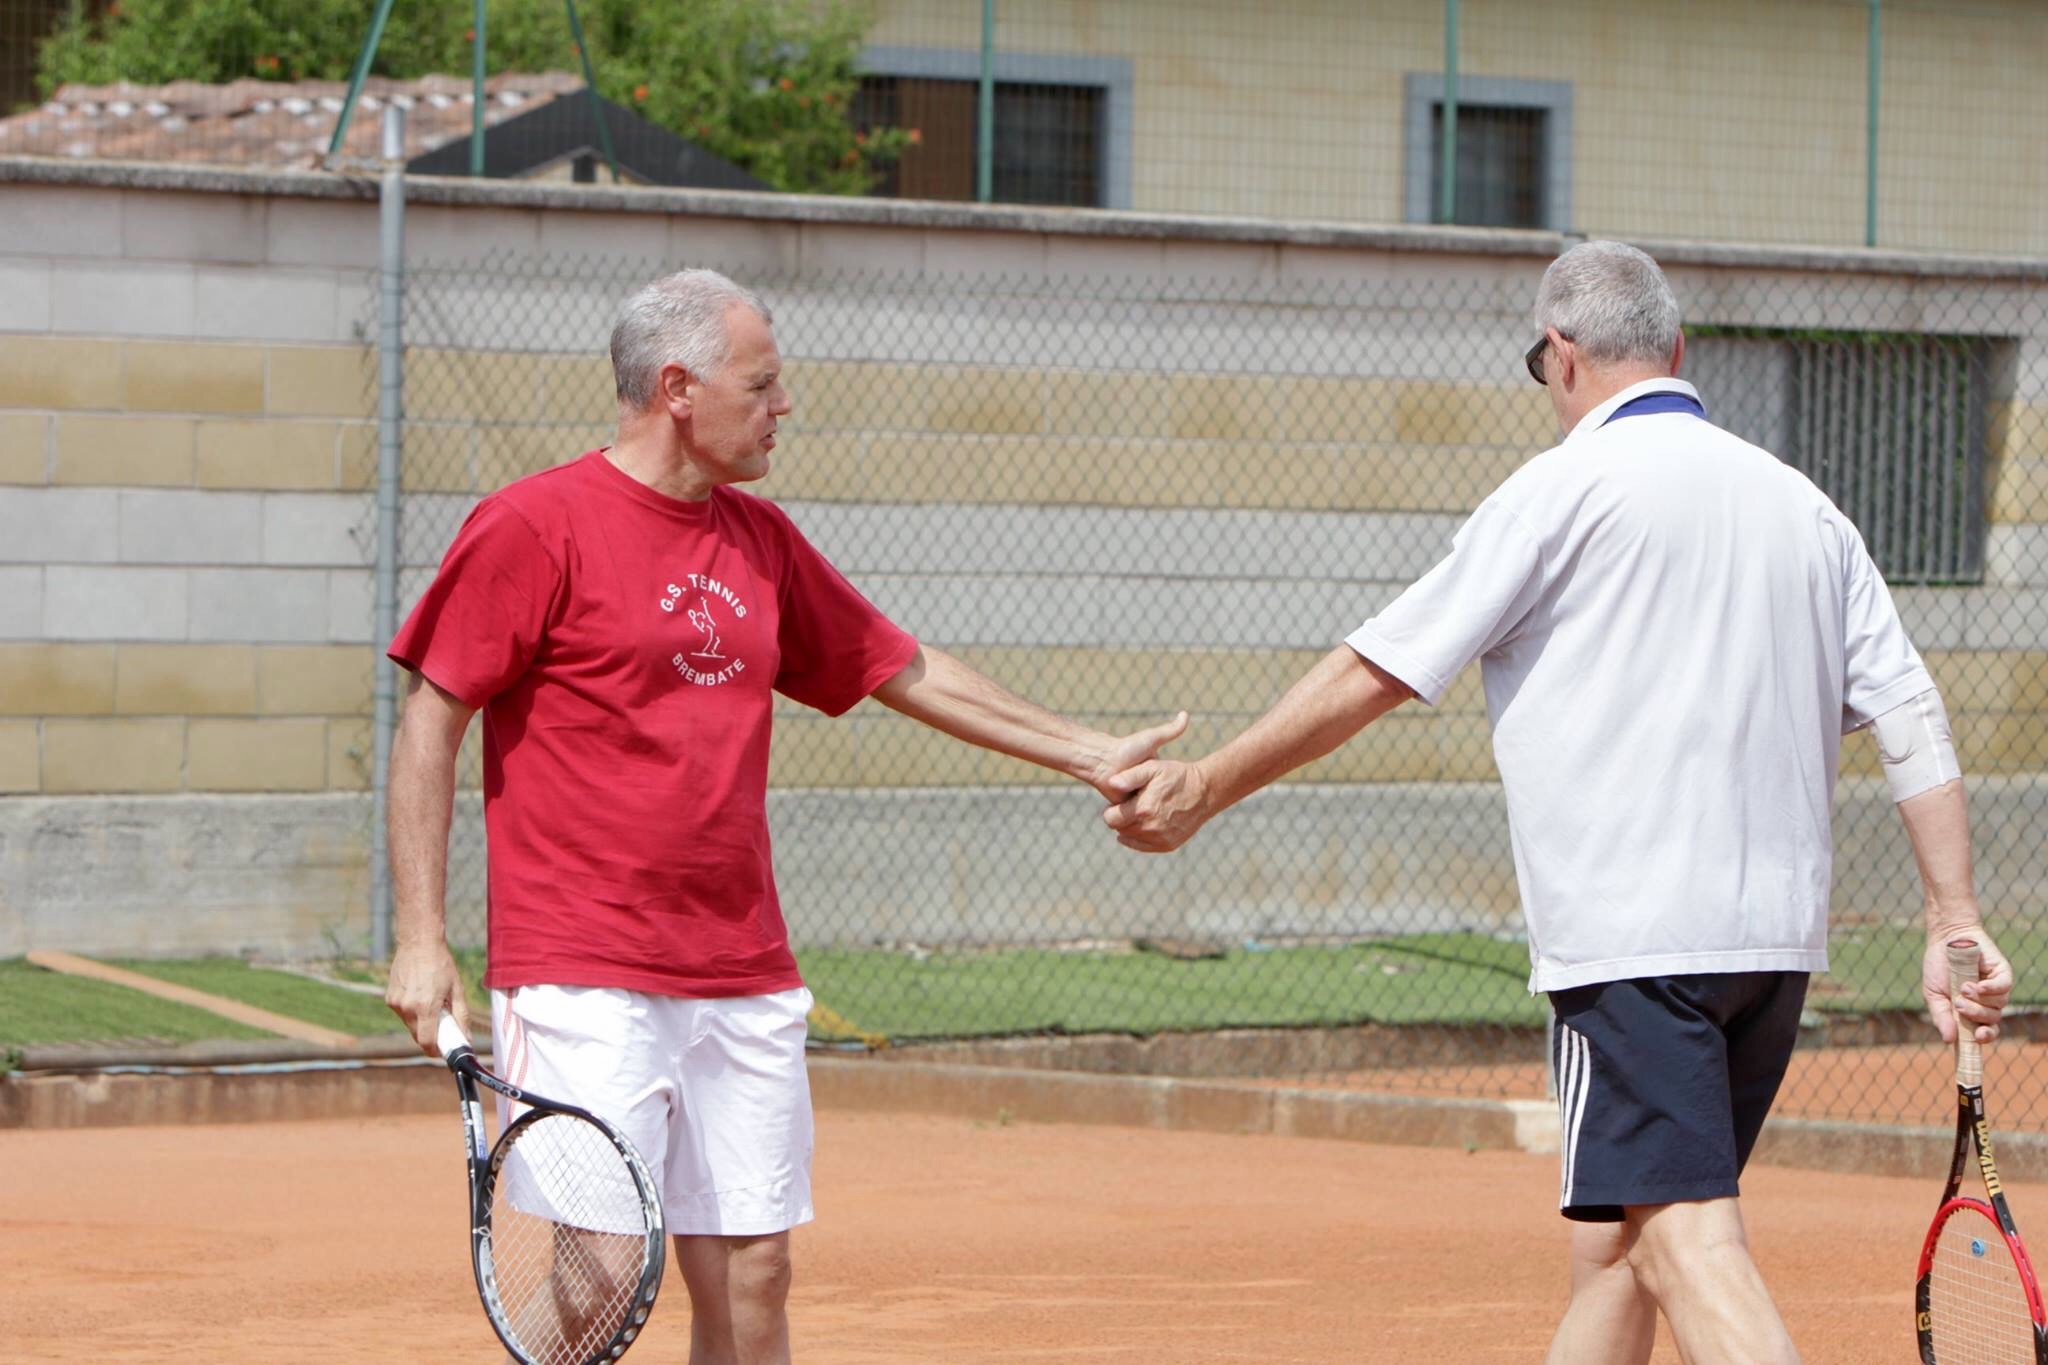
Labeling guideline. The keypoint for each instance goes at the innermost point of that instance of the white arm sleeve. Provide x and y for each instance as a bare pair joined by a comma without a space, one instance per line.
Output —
1914,742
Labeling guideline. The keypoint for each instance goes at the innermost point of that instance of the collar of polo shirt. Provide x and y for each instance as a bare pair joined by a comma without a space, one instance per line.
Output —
1592,420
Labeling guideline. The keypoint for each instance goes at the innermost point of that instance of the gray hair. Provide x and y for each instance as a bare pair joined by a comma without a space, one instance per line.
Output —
1612,300
679,319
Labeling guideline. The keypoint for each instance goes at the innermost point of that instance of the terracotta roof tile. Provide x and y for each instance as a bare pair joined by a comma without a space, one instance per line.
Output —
263,123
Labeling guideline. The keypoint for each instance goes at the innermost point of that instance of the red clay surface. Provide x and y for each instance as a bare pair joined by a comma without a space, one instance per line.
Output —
939,1240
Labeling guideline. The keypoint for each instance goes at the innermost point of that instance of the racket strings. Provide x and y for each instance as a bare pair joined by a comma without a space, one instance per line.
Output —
1977,1303
569,1240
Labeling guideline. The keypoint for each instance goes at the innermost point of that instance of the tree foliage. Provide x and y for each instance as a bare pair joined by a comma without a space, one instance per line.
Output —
766,84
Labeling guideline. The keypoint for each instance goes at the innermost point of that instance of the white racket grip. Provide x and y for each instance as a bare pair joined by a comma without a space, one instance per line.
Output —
449,1036
1963,958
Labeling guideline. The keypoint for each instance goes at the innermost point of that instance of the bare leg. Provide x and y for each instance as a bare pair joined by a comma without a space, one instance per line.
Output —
739,1298
590,1273
1611,1320
1694,1259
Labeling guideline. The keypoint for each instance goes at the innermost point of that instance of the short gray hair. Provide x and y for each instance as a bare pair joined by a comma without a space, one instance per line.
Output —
679,319
1612,300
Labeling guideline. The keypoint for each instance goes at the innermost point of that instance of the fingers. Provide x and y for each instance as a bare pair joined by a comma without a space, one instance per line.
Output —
1972,1012
1133,778
1984,1000
425,1030
1156,737
419,1004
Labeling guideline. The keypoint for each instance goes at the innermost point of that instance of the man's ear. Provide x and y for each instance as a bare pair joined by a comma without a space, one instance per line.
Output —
1566,358
672,386
1678,353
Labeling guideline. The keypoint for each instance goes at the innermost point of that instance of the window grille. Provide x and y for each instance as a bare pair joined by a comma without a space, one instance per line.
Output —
1892,426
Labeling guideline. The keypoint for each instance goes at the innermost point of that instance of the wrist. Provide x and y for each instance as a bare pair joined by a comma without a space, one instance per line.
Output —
1089,759
1208,784
1947,922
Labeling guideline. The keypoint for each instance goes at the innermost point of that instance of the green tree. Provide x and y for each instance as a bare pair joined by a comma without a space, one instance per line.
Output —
766,84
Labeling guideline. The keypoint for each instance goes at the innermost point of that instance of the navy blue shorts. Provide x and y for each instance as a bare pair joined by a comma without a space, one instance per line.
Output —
1663,1083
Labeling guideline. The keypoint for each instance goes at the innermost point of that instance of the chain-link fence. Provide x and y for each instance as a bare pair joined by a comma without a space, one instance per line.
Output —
1126,496
1901,123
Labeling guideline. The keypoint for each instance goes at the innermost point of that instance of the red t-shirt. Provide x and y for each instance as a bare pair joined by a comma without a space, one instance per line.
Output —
622,646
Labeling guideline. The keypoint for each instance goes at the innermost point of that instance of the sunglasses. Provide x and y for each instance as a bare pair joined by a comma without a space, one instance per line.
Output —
1533,358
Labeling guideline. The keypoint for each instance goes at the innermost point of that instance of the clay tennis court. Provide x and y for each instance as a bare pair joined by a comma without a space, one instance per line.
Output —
940,1239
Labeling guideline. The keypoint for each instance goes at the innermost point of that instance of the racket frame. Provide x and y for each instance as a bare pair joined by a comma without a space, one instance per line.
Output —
1972,1147
485,1163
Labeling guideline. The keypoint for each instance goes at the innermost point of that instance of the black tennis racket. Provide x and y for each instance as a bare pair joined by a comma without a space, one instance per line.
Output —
565,1230
1976,1302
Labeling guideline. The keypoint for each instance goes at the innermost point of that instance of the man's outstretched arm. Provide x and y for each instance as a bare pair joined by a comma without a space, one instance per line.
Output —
944,693
1164,802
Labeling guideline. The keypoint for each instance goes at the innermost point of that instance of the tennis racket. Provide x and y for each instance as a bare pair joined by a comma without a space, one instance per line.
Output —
565,1231
1976,1301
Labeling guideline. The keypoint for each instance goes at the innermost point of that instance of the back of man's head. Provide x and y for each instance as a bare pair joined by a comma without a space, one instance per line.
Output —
1613,301
679,319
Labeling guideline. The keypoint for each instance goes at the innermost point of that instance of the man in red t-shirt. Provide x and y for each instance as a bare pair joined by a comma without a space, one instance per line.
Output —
622,621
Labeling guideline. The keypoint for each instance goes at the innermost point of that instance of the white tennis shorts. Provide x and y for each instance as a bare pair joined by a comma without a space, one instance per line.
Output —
712,1093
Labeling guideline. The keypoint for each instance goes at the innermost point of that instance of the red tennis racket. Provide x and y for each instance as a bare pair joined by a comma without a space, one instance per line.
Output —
1976,1302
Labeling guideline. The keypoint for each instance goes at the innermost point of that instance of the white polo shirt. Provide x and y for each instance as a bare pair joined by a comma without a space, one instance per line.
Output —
1675,630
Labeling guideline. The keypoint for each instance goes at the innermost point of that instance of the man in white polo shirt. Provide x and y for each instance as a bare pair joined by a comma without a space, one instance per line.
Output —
1675,632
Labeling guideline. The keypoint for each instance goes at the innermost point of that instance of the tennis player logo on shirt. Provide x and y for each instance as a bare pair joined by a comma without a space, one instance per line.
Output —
702,619
702,665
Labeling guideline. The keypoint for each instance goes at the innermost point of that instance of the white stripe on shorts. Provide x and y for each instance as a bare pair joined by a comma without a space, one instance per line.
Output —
1574,1079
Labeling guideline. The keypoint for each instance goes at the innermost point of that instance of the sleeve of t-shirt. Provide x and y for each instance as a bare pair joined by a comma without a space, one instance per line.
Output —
836,645
1880,667
476,628
1470,602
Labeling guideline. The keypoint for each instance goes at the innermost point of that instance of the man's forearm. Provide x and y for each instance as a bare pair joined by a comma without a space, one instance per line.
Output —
422,800
1938,826
1336,699
947,695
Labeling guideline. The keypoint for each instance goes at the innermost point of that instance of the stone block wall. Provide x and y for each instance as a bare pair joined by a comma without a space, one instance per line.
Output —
1125,465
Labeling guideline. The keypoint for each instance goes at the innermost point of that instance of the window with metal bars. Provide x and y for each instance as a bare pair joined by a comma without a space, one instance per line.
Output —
1502,170
1049,139
1513,158
1892,426
24,24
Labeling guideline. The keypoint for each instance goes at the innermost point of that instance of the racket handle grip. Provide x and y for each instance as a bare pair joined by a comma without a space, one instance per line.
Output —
449,1037
1964,957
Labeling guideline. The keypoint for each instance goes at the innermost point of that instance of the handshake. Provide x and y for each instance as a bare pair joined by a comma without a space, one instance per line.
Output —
1156,804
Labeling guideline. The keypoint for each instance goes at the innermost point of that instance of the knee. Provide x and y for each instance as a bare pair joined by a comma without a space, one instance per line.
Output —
1645,1263
1600,1248
761,1274
1681,1243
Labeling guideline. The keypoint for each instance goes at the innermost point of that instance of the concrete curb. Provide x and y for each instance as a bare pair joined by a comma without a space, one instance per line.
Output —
328,1090
122,1097
996,1093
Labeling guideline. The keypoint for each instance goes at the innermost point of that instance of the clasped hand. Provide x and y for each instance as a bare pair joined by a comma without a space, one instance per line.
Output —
1162,803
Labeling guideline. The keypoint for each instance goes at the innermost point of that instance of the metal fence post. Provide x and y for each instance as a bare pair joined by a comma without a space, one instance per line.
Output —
390,411
476,81
985,148
1447,192
1870,126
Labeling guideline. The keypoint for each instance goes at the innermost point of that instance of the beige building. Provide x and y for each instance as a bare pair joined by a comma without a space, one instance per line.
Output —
1744,120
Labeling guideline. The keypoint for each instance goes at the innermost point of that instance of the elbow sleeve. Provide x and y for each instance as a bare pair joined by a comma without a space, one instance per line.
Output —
1913,740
